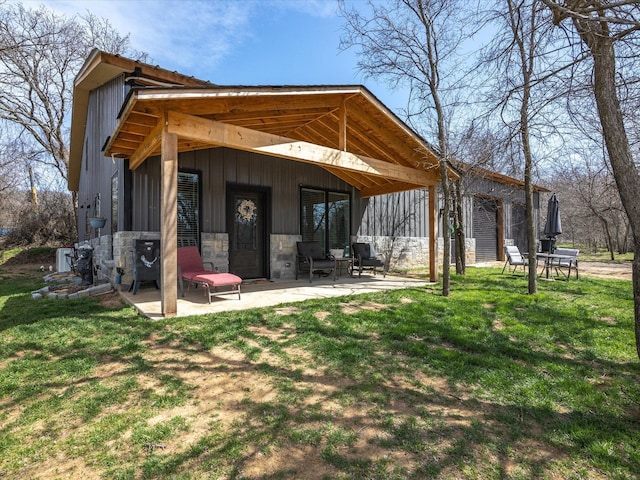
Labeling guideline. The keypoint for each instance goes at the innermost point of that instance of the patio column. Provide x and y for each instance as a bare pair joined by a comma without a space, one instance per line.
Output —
433,233
169,223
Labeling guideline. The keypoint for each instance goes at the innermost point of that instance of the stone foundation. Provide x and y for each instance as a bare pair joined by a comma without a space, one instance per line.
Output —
401,253
470,251
215,249
282,257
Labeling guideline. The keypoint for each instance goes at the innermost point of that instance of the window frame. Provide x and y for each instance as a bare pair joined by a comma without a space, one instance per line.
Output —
198,199
326,237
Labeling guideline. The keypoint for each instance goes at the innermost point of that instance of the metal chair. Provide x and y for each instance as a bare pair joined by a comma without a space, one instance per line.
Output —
365,259
312,259
569,261
515,259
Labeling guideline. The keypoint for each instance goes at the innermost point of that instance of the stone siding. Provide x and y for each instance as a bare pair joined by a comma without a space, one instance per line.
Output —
123,252
403,253
215,249
282,257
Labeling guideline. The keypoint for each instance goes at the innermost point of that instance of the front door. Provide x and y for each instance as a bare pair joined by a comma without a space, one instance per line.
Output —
247,227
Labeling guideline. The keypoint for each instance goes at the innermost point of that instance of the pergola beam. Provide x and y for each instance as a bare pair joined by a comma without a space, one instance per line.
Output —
222,134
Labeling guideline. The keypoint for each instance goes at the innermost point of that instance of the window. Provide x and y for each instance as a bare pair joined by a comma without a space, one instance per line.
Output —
325,217
188,209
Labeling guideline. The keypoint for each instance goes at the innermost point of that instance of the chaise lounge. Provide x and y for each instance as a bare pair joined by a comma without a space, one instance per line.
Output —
191,268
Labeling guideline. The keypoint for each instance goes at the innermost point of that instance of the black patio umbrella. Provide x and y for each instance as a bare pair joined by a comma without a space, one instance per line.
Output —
553,226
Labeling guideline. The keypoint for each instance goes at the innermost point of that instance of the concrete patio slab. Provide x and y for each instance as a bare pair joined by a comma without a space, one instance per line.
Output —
267,293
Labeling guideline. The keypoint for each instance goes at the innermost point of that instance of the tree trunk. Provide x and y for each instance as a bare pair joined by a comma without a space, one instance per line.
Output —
461,251
597,38
446,232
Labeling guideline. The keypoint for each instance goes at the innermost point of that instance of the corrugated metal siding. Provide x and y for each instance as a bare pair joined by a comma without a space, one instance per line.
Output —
519,226
97,170
222,166
398,214
485,229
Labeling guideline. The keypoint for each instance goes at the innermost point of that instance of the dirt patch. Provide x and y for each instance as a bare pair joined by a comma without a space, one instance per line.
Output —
111,300
620,271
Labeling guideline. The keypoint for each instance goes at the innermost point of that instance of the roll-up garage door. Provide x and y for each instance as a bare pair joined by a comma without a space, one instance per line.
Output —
485,229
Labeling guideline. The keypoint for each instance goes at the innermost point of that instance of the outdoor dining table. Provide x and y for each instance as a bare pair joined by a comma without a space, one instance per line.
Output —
553,259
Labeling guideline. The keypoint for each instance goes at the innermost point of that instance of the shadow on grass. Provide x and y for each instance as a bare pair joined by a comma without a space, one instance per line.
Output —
488,383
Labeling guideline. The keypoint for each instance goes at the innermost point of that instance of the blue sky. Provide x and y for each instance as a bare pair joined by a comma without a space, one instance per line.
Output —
238,42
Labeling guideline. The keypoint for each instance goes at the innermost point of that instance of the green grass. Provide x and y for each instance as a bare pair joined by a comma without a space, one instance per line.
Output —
488,383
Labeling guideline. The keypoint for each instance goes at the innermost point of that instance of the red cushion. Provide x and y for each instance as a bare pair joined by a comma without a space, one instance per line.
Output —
213,278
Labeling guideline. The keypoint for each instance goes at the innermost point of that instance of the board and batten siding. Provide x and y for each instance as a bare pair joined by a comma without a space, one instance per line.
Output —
220,167
97,170
403,214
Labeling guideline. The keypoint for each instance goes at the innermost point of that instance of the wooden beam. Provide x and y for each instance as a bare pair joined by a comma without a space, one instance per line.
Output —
433,233
169,224
342,127
217,133
148,146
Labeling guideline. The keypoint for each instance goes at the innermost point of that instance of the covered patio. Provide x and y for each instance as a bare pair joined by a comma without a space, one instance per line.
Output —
342,129
267,294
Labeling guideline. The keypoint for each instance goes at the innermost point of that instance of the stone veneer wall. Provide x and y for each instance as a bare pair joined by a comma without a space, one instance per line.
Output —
102,258
411,252
470,251
282,257
215,249
123,252
406,252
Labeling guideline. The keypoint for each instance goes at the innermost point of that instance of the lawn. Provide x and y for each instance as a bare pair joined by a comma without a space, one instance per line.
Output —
490,383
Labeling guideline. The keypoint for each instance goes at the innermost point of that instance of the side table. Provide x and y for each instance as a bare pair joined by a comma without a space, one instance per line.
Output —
344,264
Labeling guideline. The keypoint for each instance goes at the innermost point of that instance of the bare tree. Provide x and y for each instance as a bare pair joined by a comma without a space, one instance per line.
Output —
414,43
523,66
590,193
40,53
604,27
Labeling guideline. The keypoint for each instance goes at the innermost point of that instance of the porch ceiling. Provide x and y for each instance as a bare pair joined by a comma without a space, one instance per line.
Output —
343,129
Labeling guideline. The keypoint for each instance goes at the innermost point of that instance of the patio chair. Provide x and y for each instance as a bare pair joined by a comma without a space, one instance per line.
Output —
191,268
569,261
312,259
515,259
364,258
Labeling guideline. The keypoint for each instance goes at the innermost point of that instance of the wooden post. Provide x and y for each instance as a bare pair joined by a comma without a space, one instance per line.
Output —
433,233
169,223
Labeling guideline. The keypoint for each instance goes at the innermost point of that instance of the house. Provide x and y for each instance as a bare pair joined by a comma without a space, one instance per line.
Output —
242,172
494,216
245,172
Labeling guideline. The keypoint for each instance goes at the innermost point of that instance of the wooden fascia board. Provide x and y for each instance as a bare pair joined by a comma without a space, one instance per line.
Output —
403,126
122,121
384,139
218,133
